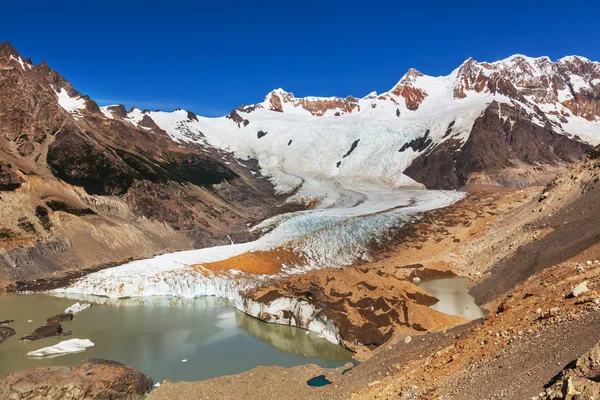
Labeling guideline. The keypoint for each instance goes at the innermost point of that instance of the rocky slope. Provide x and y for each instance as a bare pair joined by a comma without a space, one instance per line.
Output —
81,190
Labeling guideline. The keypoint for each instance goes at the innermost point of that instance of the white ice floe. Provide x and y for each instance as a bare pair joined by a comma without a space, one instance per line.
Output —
64,347
77,307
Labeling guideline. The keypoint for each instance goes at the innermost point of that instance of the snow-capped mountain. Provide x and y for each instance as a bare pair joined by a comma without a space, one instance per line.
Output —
512,122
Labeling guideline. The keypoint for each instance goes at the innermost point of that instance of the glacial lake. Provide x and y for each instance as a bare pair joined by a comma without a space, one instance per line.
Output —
155,334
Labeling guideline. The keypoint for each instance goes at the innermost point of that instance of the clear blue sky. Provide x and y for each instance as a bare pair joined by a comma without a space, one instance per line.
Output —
210,57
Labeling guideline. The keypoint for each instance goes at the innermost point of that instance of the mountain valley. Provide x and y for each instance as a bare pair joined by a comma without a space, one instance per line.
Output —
326,214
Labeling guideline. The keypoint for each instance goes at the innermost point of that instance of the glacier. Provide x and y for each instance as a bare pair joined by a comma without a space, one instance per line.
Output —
340,232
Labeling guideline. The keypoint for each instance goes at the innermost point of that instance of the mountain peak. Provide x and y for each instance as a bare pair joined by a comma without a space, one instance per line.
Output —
8,50
410,76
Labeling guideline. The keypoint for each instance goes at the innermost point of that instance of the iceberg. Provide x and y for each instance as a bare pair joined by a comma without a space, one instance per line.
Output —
77,307
64,347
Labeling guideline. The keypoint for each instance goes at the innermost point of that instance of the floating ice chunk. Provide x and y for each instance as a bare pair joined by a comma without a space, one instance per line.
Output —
64,347
77,307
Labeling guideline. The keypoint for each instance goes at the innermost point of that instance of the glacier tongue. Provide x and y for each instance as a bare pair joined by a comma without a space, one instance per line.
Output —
330,237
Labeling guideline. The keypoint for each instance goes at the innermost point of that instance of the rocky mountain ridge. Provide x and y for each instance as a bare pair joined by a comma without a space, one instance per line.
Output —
81,190
437,131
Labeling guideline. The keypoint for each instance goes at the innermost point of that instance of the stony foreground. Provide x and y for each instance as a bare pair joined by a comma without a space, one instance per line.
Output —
93,379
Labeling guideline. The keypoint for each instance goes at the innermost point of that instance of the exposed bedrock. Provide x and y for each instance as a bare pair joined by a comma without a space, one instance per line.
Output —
504,148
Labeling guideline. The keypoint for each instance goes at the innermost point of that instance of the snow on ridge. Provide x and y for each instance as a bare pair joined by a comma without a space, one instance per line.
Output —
295,146
578,83
70,104
135,116
575,58
107,112
20,61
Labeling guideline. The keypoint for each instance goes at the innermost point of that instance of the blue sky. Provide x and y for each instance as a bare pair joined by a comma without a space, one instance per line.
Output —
210,57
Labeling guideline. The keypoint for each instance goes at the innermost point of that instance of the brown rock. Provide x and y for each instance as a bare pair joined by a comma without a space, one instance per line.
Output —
92,379
56,319
9,180
503,307
45,331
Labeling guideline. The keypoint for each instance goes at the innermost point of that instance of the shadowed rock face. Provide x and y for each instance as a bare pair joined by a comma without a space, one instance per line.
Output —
93,379
9,180
505,147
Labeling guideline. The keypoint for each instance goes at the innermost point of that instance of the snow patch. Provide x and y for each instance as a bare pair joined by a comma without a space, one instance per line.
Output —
70,104
19,60
106,112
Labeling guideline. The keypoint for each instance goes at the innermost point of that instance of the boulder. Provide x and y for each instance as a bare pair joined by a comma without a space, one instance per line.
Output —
579,289
45,331
579,381
503,307
92,379
59,318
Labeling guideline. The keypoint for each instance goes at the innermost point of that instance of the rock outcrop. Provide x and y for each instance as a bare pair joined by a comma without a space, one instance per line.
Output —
355,306
578,381
504,147
93,379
